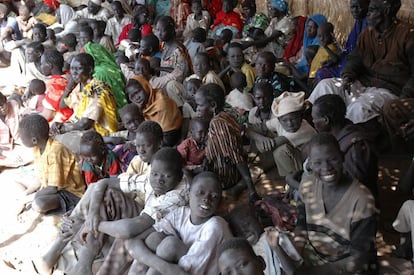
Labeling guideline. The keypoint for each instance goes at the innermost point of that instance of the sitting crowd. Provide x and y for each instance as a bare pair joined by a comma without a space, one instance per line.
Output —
134,120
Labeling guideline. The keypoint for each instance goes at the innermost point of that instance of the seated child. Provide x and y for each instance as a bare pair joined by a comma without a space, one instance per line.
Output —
191,85
272,245
236,256
68,49
203,70
148,141
34,96
239,100
192,149
196,43
227,18
98,161
131,45
25,22
122,143
328,54
61,182
165,191
198,19
284,132
98,27
186,239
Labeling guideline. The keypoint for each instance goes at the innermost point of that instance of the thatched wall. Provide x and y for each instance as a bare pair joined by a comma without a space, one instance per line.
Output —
337,12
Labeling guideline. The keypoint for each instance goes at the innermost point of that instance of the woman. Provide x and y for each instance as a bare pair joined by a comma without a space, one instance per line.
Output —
224,150
140,19
156,106
106,69
279,26
309,39
92,102
252,18
336,227
293,51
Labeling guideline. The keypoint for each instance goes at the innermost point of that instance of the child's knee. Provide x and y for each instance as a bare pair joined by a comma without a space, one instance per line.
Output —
153,240
171,249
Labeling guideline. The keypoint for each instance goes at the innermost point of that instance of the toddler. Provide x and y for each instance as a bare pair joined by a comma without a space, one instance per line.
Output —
34,96
98,161
187,238
239,100
25,22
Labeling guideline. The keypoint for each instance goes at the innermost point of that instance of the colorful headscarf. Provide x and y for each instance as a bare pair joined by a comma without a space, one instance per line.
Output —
318,19
296,41
280,5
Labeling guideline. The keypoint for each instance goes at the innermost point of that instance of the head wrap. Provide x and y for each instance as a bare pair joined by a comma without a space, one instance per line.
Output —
280,5
287,103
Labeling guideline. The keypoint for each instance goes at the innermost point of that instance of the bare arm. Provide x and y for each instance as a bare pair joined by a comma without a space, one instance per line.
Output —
126,228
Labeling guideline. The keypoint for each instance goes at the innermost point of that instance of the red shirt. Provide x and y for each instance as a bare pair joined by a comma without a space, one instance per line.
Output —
190,152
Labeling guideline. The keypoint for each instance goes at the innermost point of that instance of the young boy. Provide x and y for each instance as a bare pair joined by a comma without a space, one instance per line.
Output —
192,149
239,99
34,96
98,162
285,132
203,71
188,237
148,141
61,181
236,256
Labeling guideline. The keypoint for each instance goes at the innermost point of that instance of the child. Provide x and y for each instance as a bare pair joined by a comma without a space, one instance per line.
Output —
69,49
25,22
148,141
284,134
61,181
196,43
227,18
122,142
235,57
164,192
203,71
198,19
192,149
239,99
191,85
328,54
187,238
98,161
236,256
131,45
34,96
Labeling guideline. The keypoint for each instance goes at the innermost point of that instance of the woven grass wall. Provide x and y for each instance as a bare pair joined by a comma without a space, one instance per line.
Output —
337,12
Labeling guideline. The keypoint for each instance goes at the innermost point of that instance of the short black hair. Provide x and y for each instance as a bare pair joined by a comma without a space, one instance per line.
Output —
236,244
35,125
207,174
134,35
264,86
152,40
70,40
85,60
93,138
38,85
172,157
268,56
152,128
332,107
41,27
54,57
194,80
213,93
235,44
36,46
324,139
132,109
86,29
199,35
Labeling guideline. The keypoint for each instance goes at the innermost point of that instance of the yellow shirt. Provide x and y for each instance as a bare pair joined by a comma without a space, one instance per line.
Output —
321,56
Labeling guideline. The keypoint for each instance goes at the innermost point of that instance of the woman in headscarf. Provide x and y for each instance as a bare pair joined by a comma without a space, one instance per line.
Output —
156,106
293,51
252,18
279,26
310,38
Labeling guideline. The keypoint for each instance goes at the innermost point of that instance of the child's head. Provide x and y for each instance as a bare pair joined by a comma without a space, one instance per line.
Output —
227,6
51,62
265,64
39,32
149,45
50,35
328,111
134,35
37,87
98,27
196,6
205,196
236,256
131,117
310,53
143,67
92,148
140,16
190,88
166,170
70,41
326,158
118,9
199,35
198,129
238,81
244,223
359,8
34,51
121,59
85,35
248,8
225,37
33,130
24,12
201,64
263,95
325,33
148,139
210,100
288,108
166,28
235,55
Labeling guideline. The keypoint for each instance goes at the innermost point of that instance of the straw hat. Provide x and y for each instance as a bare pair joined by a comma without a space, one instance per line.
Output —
288,102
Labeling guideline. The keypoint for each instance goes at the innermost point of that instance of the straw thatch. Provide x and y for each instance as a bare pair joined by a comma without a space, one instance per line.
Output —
337,12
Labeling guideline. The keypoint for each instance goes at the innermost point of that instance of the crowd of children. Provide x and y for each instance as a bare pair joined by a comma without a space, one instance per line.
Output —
136,120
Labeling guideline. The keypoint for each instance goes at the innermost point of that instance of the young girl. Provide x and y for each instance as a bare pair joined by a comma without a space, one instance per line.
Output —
98,161
224,150
187,238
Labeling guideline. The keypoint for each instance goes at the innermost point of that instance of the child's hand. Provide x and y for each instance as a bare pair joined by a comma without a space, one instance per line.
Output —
91,226
264,144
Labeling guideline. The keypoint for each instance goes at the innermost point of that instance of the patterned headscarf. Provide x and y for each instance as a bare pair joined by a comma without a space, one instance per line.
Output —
280,5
